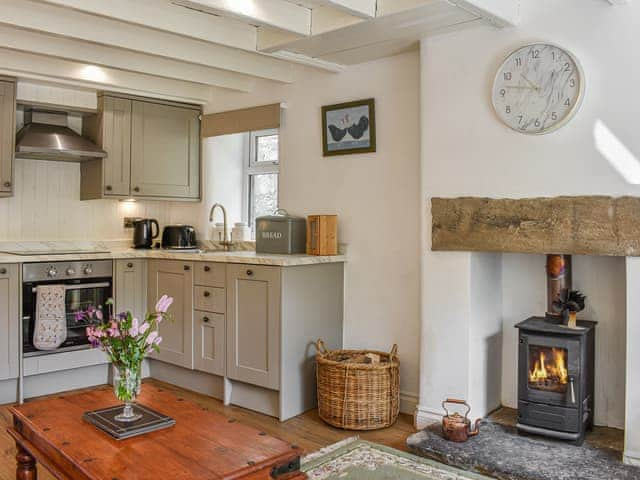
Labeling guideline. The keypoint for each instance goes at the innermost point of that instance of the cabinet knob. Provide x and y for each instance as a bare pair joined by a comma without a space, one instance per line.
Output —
249,273
7,184
129,265
205,319
3,271
136,189
187,268
207,294
108,188
207,268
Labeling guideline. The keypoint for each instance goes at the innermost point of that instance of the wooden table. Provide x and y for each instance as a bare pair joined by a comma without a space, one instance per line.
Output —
202,444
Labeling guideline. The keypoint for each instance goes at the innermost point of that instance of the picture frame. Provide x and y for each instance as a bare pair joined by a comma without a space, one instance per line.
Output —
349,128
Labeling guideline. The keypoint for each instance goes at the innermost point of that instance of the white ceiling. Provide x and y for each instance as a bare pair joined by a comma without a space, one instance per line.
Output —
183,48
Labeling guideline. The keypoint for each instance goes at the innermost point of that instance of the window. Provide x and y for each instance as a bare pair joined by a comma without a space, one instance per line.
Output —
262,173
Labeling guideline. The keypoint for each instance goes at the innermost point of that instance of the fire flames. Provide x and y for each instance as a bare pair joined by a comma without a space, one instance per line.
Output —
552,369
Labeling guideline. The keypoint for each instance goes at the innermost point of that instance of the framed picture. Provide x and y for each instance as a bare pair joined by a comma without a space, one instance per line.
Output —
349,128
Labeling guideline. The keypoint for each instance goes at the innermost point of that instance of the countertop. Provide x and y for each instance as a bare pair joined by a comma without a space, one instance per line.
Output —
117,252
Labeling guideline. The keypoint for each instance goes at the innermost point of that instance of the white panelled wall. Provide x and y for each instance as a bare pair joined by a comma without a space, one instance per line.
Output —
466,151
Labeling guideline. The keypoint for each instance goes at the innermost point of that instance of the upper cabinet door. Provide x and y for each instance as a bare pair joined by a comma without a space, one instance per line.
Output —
116,141
165,151
7,136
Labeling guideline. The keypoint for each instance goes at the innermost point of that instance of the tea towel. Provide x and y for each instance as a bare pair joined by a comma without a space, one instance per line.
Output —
51,319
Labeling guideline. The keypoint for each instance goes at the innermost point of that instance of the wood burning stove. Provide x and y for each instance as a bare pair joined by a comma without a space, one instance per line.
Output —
555,378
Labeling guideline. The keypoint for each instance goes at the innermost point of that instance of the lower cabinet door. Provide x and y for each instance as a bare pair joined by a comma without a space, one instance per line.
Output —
174,278
253,325
208,342
131,287
9,321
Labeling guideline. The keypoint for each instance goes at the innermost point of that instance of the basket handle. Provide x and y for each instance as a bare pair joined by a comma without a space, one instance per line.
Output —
394,351
321,348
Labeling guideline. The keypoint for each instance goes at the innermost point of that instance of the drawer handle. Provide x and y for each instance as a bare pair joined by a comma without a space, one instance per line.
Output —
207,294
3,271
207,268
7,184
136,189
108,188
205,319
249,273
187,268
129,265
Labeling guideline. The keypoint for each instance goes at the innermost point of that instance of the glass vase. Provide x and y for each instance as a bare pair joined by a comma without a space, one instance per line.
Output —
126,386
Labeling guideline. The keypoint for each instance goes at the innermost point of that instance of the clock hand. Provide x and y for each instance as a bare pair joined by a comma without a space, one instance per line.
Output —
535,87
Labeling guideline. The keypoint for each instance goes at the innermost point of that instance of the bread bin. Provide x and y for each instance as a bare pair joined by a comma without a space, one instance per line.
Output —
281,233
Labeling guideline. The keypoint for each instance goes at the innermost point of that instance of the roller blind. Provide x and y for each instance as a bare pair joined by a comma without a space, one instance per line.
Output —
244,120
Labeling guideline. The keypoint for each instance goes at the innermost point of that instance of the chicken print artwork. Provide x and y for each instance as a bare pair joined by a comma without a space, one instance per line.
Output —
538,89
349,128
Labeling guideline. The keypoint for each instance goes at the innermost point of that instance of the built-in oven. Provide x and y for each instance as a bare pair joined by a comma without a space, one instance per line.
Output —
86,283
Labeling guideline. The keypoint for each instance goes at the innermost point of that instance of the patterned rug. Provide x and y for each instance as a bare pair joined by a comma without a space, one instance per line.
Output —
354,459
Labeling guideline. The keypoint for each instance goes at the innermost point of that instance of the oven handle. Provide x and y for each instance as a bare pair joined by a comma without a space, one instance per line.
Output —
80,286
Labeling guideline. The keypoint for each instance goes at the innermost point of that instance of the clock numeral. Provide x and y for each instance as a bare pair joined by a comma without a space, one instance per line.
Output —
535,54
508,76
567,102
508,109
518,62
567,67
554,116
537,123
553,56
572,82
503,92
520,118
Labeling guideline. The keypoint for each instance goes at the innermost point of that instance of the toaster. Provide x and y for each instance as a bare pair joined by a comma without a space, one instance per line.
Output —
179,237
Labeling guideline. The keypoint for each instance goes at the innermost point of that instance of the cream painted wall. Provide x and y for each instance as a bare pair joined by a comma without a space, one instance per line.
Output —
467,151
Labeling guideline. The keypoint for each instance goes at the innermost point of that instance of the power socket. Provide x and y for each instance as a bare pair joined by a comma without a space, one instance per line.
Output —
130,221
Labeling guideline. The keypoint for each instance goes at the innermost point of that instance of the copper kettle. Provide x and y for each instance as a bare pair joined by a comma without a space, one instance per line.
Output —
455,427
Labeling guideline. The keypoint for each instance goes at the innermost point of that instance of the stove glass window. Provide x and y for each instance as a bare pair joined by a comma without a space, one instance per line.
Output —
548,369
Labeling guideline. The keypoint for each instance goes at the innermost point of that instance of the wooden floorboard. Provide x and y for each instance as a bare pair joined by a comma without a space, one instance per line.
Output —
307,430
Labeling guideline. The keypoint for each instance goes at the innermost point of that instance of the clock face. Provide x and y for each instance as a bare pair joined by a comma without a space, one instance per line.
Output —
538,89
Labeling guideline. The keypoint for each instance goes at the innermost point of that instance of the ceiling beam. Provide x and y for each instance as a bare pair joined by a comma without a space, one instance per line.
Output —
360,8
95,54
618,2
172,18
278,14
42,17
42,67
500,13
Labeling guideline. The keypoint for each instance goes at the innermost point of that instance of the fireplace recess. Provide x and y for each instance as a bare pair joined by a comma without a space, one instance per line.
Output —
555,378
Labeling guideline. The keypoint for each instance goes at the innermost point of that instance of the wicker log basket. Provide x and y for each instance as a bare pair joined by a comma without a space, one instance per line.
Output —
358,389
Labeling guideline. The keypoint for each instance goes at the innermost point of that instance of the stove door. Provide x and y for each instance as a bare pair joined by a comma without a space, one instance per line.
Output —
549,370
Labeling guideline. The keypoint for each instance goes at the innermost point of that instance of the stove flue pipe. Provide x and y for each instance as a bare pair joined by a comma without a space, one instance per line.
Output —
558,278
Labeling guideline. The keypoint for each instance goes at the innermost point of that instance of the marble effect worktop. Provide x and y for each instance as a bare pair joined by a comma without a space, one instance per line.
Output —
45,252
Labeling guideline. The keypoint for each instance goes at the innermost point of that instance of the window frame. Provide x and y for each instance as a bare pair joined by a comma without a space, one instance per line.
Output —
252,168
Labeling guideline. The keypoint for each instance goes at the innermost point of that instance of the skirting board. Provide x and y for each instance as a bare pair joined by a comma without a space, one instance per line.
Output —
632,458
408,403
426,416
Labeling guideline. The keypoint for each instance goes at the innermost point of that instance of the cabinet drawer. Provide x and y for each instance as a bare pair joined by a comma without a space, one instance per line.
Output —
210,274
210,299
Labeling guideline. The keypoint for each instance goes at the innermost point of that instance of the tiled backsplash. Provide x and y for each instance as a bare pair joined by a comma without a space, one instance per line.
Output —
46,206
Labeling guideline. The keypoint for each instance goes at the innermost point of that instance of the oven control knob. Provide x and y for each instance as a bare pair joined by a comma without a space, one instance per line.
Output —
88,270
71,271
52,272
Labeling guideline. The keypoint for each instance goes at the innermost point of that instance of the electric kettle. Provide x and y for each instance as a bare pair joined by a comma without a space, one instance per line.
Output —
143,232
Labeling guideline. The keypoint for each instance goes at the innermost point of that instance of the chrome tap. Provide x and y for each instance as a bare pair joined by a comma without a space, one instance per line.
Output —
226,241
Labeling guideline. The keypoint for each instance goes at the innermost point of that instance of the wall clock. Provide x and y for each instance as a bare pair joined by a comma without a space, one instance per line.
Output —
538,89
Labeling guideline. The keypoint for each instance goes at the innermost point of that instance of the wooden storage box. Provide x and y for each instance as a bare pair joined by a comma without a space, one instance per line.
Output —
322,235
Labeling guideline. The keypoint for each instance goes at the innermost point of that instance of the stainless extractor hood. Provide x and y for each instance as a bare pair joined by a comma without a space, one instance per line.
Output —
46,136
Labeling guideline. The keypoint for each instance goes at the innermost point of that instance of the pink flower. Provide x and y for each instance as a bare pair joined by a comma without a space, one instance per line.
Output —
151,338
163,304
143,328
99,315
134,331
157,340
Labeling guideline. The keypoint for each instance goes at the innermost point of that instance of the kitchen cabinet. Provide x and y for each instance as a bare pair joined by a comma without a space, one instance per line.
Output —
153,150
165,151
209,342
174,278
7,134
131,287
253,325
9,321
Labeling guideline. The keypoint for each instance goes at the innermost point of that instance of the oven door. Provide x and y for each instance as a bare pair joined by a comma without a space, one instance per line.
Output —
79,296
549,370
